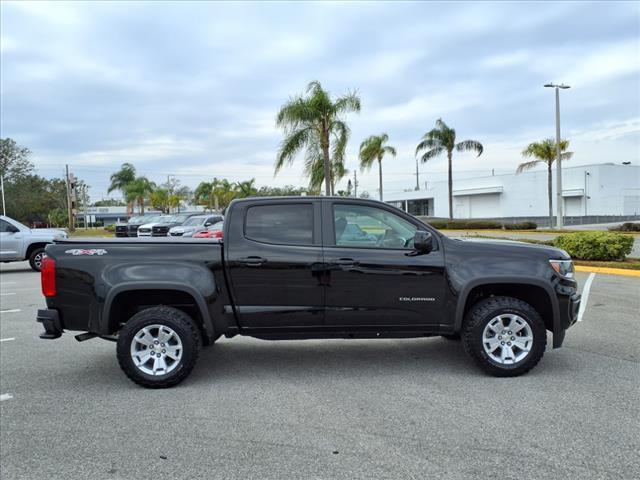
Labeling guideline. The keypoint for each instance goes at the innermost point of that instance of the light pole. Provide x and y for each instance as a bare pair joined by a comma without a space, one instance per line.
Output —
559,199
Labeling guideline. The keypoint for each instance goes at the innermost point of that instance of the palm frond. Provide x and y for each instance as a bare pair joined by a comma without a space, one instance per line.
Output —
341,133
291,145
434,152
390,150
528,165
470,146
347,103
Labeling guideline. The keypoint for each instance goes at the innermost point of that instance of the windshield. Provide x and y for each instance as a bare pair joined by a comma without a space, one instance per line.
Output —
137,219
193,221
154,219
178,218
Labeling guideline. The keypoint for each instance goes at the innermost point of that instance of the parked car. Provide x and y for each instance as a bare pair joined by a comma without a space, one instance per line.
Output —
284,272
19,242
214,231
130,227
162,229
145,229
195,224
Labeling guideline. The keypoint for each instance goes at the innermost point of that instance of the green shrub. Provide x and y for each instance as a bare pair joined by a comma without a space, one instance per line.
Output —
595,245
626,227
521,226
110,228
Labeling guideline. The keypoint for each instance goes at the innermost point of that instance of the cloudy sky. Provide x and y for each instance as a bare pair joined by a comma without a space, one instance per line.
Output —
192,89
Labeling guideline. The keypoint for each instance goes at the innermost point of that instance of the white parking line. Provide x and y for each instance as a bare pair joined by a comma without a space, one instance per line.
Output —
13,310
6,294
585,296
5,396
6,339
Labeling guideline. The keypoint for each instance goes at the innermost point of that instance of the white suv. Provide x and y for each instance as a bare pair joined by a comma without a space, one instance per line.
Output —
146,229
19,242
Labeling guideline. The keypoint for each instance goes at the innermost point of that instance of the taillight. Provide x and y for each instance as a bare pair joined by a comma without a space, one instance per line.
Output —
48,277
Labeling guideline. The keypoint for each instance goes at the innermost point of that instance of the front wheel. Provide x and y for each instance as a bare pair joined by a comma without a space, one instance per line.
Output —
158,347
505,336
35,259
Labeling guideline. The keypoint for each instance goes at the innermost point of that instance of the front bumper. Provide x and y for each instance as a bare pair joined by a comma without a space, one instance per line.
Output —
50,320
569,308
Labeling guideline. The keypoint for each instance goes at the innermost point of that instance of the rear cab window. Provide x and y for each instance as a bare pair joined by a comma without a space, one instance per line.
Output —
280,224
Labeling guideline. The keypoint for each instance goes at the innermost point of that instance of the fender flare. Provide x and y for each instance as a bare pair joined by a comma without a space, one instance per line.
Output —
534,282
132,286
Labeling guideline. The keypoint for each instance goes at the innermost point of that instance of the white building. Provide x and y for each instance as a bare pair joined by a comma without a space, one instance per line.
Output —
588,191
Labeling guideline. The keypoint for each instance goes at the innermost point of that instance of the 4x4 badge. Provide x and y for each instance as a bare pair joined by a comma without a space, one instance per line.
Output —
82,251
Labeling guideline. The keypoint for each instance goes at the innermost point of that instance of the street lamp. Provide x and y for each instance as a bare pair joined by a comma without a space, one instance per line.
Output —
559,199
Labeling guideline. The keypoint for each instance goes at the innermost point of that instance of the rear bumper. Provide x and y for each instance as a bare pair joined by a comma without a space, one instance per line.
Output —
50,320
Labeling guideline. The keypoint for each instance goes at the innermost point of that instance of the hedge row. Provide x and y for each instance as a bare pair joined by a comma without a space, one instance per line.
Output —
595,245
480,225
626,227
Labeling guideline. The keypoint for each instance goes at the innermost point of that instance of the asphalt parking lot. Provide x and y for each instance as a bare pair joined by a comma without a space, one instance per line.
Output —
322,409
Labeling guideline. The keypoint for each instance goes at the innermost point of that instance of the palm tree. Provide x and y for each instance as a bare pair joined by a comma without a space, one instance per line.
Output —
314,122
120,180
246,188
443,139
315,172
372,149
545,152
138,191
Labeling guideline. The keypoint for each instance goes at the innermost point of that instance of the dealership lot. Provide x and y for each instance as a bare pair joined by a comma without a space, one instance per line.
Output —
322,409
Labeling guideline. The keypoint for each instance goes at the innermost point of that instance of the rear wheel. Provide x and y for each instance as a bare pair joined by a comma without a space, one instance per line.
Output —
35,259
158,347
505,336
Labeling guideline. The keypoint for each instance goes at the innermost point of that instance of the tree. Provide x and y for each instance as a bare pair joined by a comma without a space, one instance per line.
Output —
122,178
247,188
14,160
31,198
286,191
545,152
316,175
314,123
138,191
443,139
372,149
160,199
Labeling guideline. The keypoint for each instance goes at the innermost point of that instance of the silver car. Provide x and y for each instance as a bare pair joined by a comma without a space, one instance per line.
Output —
19,242
195,224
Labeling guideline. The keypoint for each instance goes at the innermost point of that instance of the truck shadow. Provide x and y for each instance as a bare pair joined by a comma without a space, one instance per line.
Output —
291,361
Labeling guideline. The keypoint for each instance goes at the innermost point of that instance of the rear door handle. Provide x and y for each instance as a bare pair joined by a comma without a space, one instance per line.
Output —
252,261
345,262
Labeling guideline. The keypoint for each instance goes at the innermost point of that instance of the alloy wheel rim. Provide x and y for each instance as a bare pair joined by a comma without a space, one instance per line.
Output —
507,339
37,261
156,350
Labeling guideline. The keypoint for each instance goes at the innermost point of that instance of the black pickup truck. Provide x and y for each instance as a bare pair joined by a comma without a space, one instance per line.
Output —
308,267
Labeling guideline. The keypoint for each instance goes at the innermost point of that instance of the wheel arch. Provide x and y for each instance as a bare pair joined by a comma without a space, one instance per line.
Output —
535,292
146,290
34,246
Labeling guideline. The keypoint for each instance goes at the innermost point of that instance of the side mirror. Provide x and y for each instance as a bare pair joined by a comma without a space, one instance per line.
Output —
208,224
423,241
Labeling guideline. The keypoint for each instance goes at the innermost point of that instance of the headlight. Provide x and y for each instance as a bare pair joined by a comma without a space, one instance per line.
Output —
564,268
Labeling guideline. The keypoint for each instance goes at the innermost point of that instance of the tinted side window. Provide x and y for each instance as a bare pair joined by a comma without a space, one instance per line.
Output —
5,226
280,224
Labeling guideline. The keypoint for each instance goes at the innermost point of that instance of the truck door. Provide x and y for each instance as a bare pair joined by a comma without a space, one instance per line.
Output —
10,241
274,263
375,278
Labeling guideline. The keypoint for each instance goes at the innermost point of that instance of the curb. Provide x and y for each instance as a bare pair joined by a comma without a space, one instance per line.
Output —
610,271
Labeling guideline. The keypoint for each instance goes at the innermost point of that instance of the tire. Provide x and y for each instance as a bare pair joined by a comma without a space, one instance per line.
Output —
142,334
495,319
35,259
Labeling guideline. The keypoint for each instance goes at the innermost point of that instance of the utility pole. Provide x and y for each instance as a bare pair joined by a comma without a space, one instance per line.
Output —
417,176
559,198
69,206
355,183
4,211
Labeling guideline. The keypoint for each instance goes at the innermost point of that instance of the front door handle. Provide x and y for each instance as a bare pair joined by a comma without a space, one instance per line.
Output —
252,261
345,262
